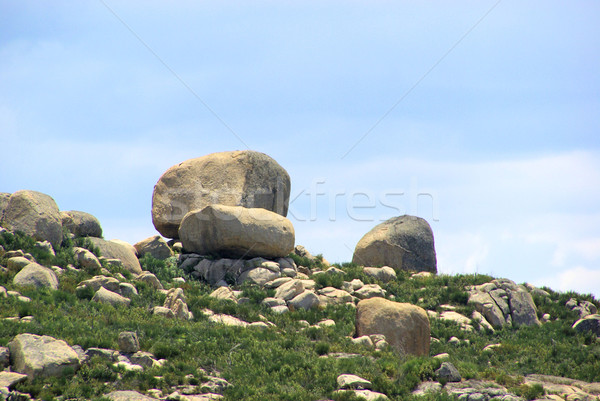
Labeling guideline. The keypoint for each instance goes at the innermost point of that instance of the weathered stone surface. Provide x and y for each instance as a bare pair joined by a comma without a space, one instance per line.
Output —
4,196
347,381
9,379
117,250
370,291
36,275
501,302
127,290
289,290
305,300
235,231
588,323
150,279
128,396
224,293
367,395
86,259
334,296
16,263
162,311
41,356
240,178
4,358
128,342
227,320
81,224
258,276
214,271
96,282
448,373
105,296
385,273
155,246
404,243
34,213
405,326
176,302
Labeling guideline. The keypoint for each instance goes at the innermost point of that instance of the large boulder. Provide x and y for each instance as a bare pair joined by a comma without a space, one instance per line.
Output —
37,276
81,224
235,231
240,178
156,246
4,196
405,326
588,323
404,243
115,249
41,356
34,213
105,296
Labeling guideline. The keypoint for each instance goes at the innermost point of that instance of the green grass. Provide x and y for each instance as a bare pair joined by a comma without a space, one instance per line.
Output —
284,362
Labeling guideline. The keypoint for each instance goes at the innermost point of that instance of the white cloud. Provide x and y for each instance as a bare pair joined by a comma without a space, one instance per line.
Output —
579,278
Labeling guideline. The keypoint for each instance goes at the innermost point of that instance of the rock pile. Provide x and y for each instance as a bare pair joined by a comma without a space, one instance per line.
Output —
240,178
504,302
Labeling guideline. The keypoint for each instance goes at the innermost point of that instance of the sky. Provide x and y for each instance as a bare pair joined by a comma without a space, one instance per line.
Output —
481,117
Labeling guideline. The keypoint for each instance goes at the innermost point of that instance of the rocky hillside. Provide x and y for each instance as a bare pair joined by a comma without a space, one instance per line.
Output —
78,325
228,307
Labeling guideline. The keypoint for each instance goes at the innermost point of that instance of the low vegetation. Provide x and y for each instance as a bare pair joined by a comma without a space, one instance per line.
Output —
286,361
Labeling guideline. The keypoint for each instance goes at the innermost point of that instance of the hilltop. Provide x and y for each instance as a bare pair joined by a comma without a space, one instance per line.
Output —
242,347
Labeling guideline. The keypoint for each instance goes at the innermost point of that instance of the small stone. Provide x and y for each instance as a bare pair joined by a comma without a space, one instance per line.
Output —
448,373
346,381
128,342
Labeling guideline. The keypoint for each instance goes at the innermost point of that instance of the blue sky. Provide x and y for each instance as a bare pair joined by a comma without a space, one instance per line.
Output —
481,117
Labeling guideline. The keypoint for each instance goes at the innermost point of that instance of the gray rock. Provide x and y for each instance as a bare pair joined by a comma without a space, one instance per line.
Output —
116,249
127,290
588,323
404,242
9,379
259,276
97,282
144,359
150,279
128,396
34,213
367,395
128,342
289,290
270,302
16,263
347,381
240,178
306,300
370,291
236,231
224,293
41,356
81,224
86,259
384,274
107,354
4,196
448,373
36,275
162,311
155,246
4,358
45,246
105,296
214,271
522,308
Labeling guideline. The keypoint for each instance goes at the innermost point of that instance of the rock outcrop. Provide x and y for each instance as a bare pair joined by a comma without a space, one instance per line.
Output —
34,213
41,356
504,302
81,224
235,231
405,326
239,178
403,243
